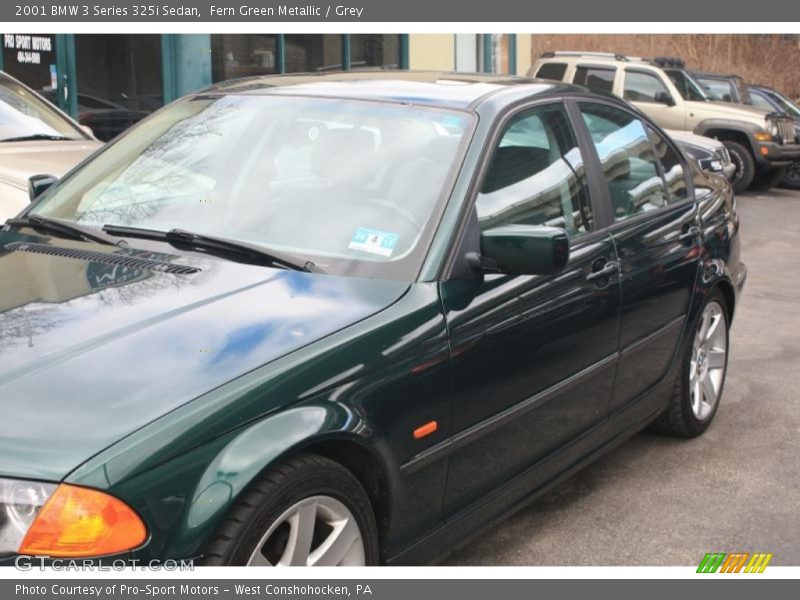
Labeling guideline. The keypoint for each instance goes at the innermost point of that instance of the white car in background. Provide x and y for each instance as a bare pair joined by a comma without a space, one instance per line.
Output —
35,139
711,154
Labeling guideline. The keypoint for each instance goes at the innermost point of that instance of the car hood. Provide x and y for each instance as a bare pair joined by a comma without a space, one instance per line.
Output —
693,139
90,352
727,110
20,160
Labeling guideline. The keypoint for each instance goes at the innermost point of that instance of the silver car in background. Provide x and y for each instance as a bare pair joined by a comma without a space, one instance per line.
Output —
35,139
711,154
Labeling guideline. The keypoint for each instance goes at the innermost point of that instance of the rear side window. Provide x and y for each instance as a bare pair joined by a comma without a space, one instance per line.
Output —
629,163
595,78
671,164
553,71
644,87
537,176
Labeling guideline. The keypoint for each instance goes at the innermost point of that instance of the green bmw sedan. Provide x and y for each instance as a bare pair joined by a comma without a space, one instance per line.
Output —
350,319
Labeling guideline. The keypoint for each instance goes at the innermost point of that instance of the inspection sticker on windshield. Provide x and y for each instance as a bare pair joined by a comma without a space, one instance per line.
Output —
374,241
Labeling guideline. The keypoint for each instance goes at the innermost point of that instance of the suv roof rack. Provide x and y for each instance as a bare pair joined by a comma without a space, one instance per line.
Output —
669,61
622,57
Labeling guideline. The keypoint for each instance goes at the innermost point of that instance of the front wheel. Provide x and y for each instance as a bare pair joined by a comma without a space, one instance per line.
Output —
744,163
767,180
307,511
791,178
704,364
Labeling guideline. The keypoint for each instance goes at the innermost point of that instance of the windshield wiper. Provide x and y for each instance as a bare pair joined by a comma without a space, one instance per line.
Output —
217,245
38,136
67,228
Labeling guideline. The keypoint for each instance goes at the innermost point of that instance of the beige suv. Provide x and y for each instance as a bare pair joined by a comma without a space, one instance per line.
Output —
761,144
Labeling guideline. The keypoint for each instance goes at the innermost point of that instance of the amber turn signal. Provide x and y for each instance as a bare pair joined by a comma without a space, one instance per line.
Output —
81,522
425,430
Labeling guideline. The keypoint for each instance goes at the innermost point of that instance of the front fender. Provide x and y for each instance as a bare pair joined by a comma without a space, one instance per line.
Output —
747,129
185,499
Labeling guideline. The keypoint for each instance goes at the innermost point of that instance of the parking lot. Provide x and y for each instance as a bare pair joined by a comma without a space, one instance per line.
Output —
663,501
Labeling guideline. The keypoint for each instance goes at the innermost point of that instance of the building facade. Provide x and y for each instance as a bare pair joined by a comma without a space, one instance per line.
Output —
110,81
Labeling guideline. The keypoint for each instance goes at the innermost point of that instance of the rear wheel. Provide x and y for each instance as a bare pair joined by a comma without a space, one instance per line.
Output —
307,511
768,179
704,364
745,166
791,178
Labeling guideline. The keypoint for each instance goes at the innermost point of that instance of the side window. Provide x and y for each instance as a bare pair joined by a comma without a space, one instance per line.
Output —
671,166
553,71
627,158
644,87
537,176
595,78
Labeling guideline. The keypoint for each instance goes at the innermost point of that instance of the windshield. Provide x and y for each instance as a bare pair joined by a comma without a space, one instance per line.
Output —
23,115
787,105
353,186
688,89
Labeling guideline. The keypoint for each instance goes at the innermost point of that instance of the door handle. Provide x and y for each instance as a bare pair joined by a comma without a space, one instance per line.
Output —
608,270
692,232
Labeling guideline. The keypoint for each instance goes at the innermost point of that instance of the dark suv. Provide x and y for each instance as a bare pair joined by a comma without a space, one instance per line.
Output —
771,99
723,88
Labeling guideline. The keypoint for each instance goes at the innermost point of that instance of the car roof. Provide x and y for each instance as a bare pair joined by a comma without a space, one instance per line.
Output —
432,88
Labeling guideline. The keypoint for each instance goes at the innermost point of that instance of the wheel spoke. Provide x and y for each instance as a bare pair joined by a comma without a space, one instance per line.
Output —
258,560
713,325
709,393
703,329
331,552
298,547
716,359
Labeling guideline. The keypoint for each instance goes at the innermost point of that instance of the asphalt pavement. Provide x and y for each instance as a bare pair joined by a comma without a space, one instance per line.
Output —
657,500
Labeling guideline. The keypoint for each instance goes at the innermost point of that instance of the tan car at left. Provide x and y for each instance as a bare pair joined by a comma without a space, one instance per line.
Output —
35,139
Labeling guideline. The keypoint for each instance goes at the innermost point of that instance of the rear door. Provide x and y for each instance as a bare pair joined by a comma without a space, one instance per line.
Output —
532,356
657,240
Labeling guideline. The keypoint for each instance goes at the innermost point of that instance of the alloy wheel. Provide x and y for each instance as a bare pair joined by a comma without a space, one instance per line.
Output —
793,171
709,360
316,531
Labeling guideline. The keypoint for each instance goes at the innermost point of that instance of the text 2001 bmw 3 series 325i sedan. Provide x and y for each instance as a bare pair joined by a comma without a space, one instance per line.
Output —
349,319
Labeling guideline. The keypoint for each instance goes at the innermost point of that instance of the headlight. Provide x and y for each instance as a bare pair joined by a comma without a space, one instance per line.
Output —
774,131
20,502
65,520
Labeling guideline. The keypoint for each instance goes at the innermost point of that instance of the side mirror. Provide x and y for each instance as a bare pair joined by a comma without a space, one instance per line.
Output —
37,184
664,98
523,250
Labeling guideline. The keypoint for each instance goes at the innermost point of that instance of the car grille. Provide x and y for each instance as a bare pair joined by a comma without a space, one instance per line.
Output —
131,262
785,128
723,154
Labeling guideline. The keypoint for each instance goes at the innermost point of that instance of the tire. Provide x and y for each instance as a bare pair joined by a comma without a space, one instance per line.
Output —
745,166
687,416
791,178
308,499
768,179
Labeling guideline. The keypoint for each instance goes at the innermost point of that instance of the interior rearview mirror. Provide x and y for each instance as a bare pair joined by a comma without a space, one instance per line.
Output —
38,184
523,250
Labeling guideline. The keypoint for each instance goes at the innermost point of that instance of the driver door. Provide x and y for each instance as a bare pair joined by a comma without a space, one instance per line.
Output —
532,356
